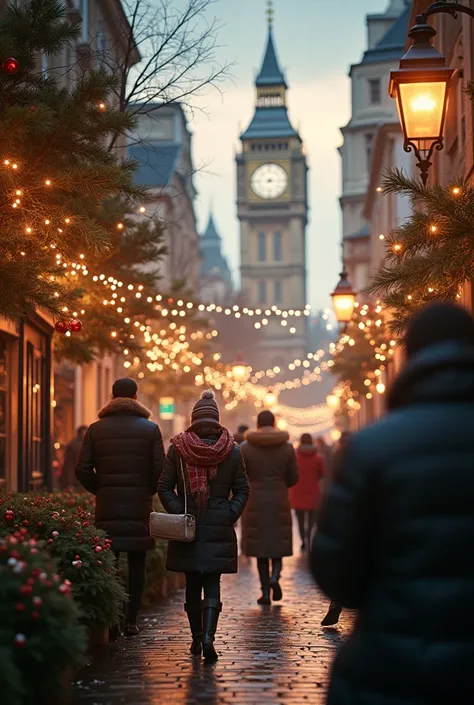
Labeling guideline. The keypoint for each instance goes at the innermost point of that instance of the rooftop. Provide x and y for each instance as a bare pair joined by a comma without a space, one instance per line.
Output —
392,44
270,122
156,162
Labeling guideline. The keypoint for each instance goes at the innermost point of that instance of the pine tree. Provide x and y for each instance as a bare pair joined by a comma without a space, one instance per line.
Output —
431,254
55,169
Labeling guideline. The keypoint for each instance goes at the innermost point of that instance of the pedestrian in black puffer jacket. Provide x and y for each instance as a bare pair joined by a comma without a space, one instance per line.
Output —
396,531
120,462
217,488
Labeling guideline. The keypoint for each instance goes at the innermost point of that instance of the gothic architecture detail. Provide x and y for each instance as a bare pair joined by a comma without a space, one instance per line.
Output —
272,208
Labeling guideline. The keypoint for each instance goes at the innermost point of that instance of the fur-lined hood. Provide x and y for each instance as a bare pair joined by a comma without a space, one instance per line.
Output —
267,436
122,406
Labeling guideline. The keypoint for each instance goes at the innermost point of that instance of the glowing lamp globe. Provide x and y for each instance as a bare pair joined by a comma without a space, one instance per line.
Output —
420,87
343,299
240,369
270,399
332,401
11,65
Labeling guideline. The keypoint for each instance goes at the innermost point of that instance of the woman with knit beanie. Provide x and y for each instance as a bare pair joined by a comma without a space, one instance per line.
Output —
218,490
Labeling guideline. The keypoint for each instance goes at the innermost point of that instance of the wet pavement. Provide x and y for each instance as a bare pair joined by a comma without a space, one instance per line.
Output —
278,654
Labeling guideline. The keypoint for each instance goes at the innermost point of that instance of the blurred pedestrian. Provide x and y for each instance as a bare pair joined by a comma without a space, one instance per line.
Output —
267,523
306,494
120,462
396,529
335,610
326,451
67,478
240,435
214,470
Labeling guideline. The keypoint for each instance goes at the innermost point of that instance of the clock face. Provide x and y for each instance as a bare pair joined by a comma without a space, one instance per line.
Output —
269,181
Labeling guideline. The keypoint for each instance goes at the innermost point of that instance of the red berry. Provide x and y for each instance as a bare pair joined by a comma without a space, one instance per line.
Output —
35,615
26,589
98,549
20,607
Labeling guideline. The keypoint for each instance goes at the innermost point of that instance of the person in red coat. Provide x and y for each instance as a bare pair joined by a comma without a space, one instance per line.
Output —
305,496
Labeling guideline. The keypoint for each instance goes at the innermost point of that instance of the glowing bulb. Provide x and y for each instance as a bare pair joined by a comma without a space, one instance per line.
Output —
456,191
48,182
120,226
381,237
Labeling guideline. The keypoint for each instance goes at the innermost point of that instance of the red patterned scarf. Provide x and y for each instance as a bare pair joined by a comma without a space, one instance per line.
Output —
201,461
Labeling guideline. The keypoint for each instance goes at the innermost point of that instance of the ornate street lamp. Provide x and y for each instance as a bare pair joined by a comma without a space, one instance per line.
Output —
420,87
271,399
240,369
343,299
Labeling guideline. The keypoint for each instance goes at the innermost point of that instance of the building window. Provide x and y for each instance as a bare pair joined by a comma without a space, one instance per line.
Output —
375,92
262,291
262,247
277,291
4,379
44,64
101,41
368,150
277,254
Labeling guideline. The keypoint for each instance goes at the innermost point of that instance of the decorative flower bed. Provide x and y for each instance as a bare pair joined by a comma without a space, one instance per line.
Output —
41,640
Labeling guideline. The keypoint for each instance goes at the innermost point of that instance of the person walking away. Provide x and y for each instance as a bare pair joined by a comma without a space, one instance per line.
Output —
214,471
240,435
120,462
306,494
396,529
326,451
67,478
267,523
335,610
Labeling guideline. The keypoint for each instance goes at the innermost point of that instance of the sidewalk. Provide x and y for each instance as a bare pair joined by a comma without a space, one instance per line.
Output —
277,655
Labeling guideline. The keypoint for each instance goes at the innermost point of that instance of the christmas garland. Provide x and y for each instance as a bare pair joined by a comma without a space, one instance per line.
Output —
429,256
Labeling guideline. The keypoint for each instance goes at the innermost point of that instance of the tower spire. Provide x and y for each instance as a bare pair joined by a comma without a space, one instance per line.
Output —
270,14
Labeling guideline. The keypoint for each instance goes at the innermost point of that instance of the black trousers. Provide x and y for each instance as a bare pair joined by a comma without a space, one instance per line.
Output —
199,583
136,581
306,521
264,571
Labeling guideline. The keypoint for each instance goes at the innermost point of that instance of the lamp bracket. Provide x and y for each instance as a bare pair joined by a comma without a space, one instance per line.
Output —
424,162
445,6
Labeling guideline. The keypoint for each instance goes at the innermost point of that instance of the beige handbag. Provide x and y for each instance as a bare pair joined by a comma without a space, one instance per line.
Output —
174,527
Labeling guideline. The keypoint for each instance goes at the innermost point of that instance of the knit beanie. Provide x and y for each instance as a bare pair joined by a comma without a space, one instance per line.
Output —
205,410
439,323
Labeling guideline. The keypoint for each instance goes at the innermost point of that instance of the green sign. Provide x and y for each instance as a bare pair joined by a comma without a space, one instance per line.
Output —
167,408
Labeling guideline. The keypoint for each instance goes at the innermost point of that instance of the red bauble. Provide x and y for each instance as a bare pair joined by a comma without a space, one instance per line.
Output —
61,327
75,326
10,65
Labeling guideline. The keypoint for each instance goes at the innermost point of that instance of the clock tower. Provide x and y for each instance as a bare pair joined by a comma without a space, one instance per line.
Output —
272,209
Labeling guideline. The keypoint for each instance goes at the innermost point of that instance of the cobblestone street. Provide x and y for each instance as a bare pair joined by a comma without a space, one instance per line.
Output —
276,655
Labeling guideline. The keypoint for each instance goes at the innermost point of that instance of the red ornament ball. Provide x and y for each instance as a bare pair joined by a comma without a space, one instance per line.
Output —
61,327
11,65
75,326
98,549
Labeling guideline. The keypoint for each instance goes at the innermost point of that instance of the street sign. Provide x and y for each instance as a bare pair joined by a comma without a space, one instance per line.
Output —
167,408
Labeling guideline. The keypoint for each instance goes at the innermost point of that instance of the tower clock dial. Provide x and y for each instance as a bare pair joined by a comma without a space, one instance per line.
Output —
269,181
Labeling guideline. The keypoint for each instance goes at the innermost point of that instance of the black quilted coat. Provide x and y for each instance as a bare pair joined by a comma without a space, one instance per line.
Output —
120,462
396,541
214,549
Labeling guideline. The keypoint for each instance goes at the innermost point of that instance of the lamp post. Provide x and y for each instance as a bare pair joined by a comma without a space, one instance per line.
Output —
420,86
343,299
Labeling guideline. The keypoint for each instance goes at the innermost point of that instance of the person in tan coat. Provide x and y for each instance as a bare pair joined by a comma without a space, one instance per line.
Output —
267,523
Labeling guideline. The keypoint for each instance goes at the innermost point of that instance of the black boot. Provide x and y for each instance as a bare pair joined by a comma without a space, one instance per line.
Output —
333,615
275,580
194,613
210,616
264,573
